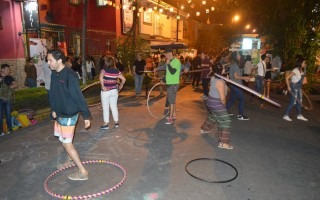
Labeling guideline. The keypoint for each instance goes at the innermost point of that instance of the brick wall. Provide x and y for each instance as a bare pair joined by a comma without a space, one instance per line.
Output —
17,70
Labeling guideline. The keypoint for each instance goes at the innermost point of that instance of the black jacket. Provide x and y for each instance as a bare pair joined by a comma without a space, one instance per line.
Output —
66,98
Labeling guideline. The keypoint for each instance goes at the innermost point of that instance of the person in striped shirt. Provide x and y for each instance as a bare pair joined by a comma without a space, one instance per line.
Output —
109,91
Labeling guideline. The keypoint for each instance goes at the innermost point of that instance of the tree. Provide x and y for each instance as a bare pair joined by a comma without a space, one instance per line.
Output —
131,43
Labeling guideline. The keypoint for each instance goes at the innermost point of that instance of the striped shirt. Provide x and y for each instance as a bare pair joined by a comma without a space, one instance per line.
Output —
110,77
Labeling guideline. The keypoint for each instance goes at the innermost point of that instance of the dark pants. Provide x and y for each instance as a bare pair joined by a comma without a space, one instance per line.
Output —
205,85
196,78
5,108
236,94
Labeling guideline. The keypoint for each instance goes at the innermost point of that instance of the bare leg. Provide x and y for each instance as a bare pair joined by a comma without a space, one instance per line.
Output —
171,110
268,88
73,154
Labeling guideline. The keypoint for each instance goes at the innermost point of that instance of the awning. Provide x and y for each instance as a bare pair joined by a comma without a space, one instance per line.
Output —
165,45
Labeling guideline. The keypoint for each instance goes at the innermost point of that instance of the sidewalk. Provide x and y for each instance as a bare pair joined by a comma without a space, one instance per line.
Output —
275,159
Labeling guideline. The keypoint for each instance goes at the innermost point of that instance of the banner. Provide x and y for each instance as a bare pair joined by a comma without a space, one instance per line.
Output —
38,52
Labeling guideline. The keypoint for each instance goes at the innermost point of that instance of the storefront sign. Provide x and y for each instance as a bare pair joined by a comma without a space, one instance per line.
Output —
31,15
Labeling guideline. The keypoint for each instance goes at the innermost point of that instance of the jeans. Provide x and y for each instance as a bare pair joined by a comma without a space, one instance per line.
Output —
138,80
259,84
236,93
31,83
295,95
205,85
110,99
5,108
196,79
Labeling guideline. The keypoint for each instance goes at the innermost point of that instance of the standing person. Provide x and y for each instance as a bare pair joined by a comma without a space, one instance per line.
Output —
119,65
66,102
217,109
294,82
31,74
109,91
260,77
267,78
47,77
138,68
172,80
196,63
68,62
89,68
7,86
247,70
206,68
235,92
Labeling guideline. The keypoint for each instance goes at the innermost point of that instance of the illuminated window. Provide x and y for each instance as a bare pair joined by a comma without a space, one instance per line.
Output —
102,2
74,2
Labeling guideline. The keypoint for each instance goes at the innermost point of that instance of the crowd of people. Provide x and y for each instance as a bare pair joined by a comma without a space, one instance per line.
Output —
67,101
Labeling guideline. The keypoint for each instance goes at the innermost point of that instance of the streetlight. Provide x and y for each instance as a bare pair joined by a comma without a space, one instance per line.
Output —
248,26
235,18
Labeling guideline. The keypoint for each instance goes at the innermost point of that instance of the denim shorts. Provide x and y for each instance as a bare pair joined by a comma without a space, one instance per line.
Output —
64,128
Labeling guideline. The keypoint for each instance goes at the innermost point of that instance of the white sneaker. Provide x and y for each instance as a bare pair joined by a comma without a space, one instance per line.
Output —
287,118
300,117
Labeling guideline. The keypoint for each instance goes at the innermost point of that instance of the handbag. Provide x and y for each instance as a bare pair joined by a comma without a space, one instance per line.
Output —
304,81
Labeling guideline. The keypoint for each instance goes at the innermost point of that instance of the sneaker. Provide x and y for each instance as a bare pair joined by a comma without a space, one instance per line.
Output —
169,121
243,117
204,132
104,127
116,124
300,117
65,164
287,118
203,96
2,134
78,176
9,131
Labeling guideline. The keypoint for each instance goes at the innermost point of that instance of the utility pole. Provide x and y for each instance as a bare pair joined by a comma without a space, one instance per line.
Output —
83,44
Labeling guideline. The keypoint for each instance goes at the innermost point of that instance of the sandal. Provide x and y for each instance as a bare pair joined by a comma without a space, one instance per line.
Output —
78,176
225,146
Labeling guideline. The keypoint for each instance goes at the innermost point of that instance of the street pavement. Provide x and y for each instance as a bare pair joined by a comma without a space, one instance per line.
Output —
275,159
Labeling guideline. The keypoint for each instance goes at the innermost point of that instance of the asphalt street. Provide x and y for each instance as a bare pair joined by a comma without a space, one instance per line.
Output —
275,159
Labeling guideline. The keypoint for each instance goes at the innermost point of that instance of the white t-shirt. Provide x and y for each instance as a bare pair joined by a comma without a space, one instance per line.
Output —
297,76
248,67
89,65
261,68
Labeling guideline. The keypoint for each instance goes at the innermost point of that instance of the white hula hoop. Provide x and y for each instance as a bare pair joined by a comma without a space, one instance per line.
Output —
148,106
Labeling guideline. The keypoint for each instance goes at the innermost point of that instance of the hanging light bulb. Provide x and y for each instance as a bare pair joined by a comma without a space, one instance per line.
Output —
124,7
171,9
189,1
178,16
149,9
204,2
207,11
198,13
155,8
161,10
182,7
188,15
212,8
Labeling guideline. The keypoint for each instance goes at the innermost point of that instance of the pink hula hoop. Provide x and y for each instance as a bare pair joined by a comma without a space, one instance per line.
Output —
60,196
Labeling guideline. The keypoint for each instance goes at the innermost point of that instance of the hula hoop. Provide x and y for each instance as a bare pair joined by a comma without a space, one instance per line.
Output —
209,181
307,98
148,98
60,196
89,86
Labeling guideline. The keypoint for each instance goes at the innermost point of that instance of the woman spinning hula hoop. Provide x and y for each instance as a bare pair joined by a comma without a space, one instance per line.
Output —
294,82
217,107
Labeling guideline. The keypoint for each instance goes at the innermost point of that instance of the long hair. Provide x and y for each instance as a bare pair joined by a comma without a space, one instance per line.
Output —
217,68
234,57
109,63
299,62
